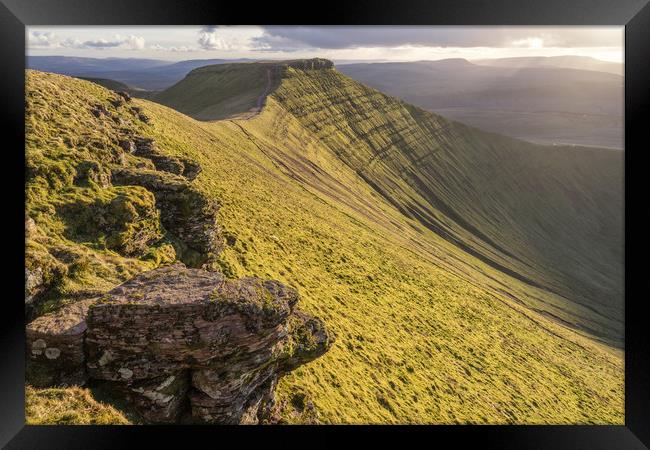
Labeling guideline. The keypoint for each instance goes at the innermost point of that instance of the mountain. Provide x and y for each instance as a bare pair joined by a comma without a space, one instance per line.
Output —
220,91
144,74
108,84
549,105
118,86
74,64
568,62
468,277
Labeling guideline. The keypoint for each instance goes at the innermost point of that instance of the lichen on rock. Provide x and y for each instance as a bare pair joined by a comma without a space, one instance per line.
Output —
55,352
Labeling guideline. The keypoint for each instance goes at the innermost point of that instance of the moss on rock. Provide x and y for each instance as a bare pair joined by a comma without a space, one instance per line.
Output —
123,219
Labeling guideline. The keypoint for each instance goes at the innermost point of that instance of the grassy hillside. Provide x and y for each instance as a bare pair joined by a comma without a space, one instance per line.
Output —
321,191
238,88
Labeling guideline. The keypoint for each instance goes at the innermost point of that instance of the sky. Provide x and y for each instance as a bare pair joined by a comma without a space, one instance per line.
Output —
392,43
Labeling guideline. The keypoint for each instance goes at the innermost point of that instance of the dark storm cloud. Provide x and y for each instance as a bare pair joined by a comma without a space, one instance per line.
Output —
335,37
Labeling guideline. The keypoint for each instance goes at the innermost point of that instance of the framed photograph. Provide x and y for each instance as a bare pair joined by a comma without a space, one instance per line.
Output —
409,219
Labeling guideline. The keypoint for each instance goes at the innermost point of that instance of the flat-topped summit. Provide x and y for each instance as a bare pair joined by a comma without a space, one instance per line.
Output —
301,64
236,90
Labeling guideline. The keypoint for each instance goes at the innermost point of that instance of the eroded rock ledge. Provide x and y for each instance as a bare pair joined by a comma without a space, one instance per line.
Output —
180,344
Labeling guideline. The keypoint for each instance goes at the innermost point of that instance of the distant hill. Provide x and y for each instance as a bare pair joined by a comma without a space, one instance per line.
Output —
119,86
64,64
147,74
109,84
567,62
544,104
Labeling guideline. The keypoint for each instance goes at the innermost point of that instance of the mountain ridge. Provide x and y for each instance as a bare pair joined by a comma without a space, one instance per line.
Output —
423,335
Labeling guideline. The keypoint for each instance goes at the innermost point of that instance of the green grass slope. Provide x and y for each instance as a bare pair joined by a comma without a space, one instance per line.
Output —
427,332
238,88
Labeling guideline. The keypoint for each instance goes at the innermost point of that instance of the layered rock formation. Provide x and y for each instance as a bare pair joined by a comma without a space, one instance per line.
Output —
186,212
55,347
177,339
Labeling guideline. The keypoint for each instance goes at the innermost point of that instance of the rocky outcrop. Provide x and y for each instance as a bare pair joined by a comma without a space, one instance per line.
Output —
185,211
125,95
55,347
310,64
181,342
89,172
147,148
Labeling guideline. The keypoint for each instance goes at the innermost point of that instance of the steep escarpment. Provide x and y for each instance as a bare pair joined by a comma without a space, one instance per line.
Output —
550,218
426,332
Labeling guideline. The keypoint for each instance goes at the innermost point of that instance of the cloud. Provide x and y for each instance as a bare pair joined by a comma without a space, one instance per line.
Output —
210,39
182,48
48,39
43,39
290,38
126,42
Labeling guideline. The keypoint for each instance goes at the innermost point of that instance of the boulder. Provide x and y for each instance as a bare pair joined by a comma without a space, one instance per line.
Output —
176,341
232,336
99,110
55,347
127,145
125,95
175,318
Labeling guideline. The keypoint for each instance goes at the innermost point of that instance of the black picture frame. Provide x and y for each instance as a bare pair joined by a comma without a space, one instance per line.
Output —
16,14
